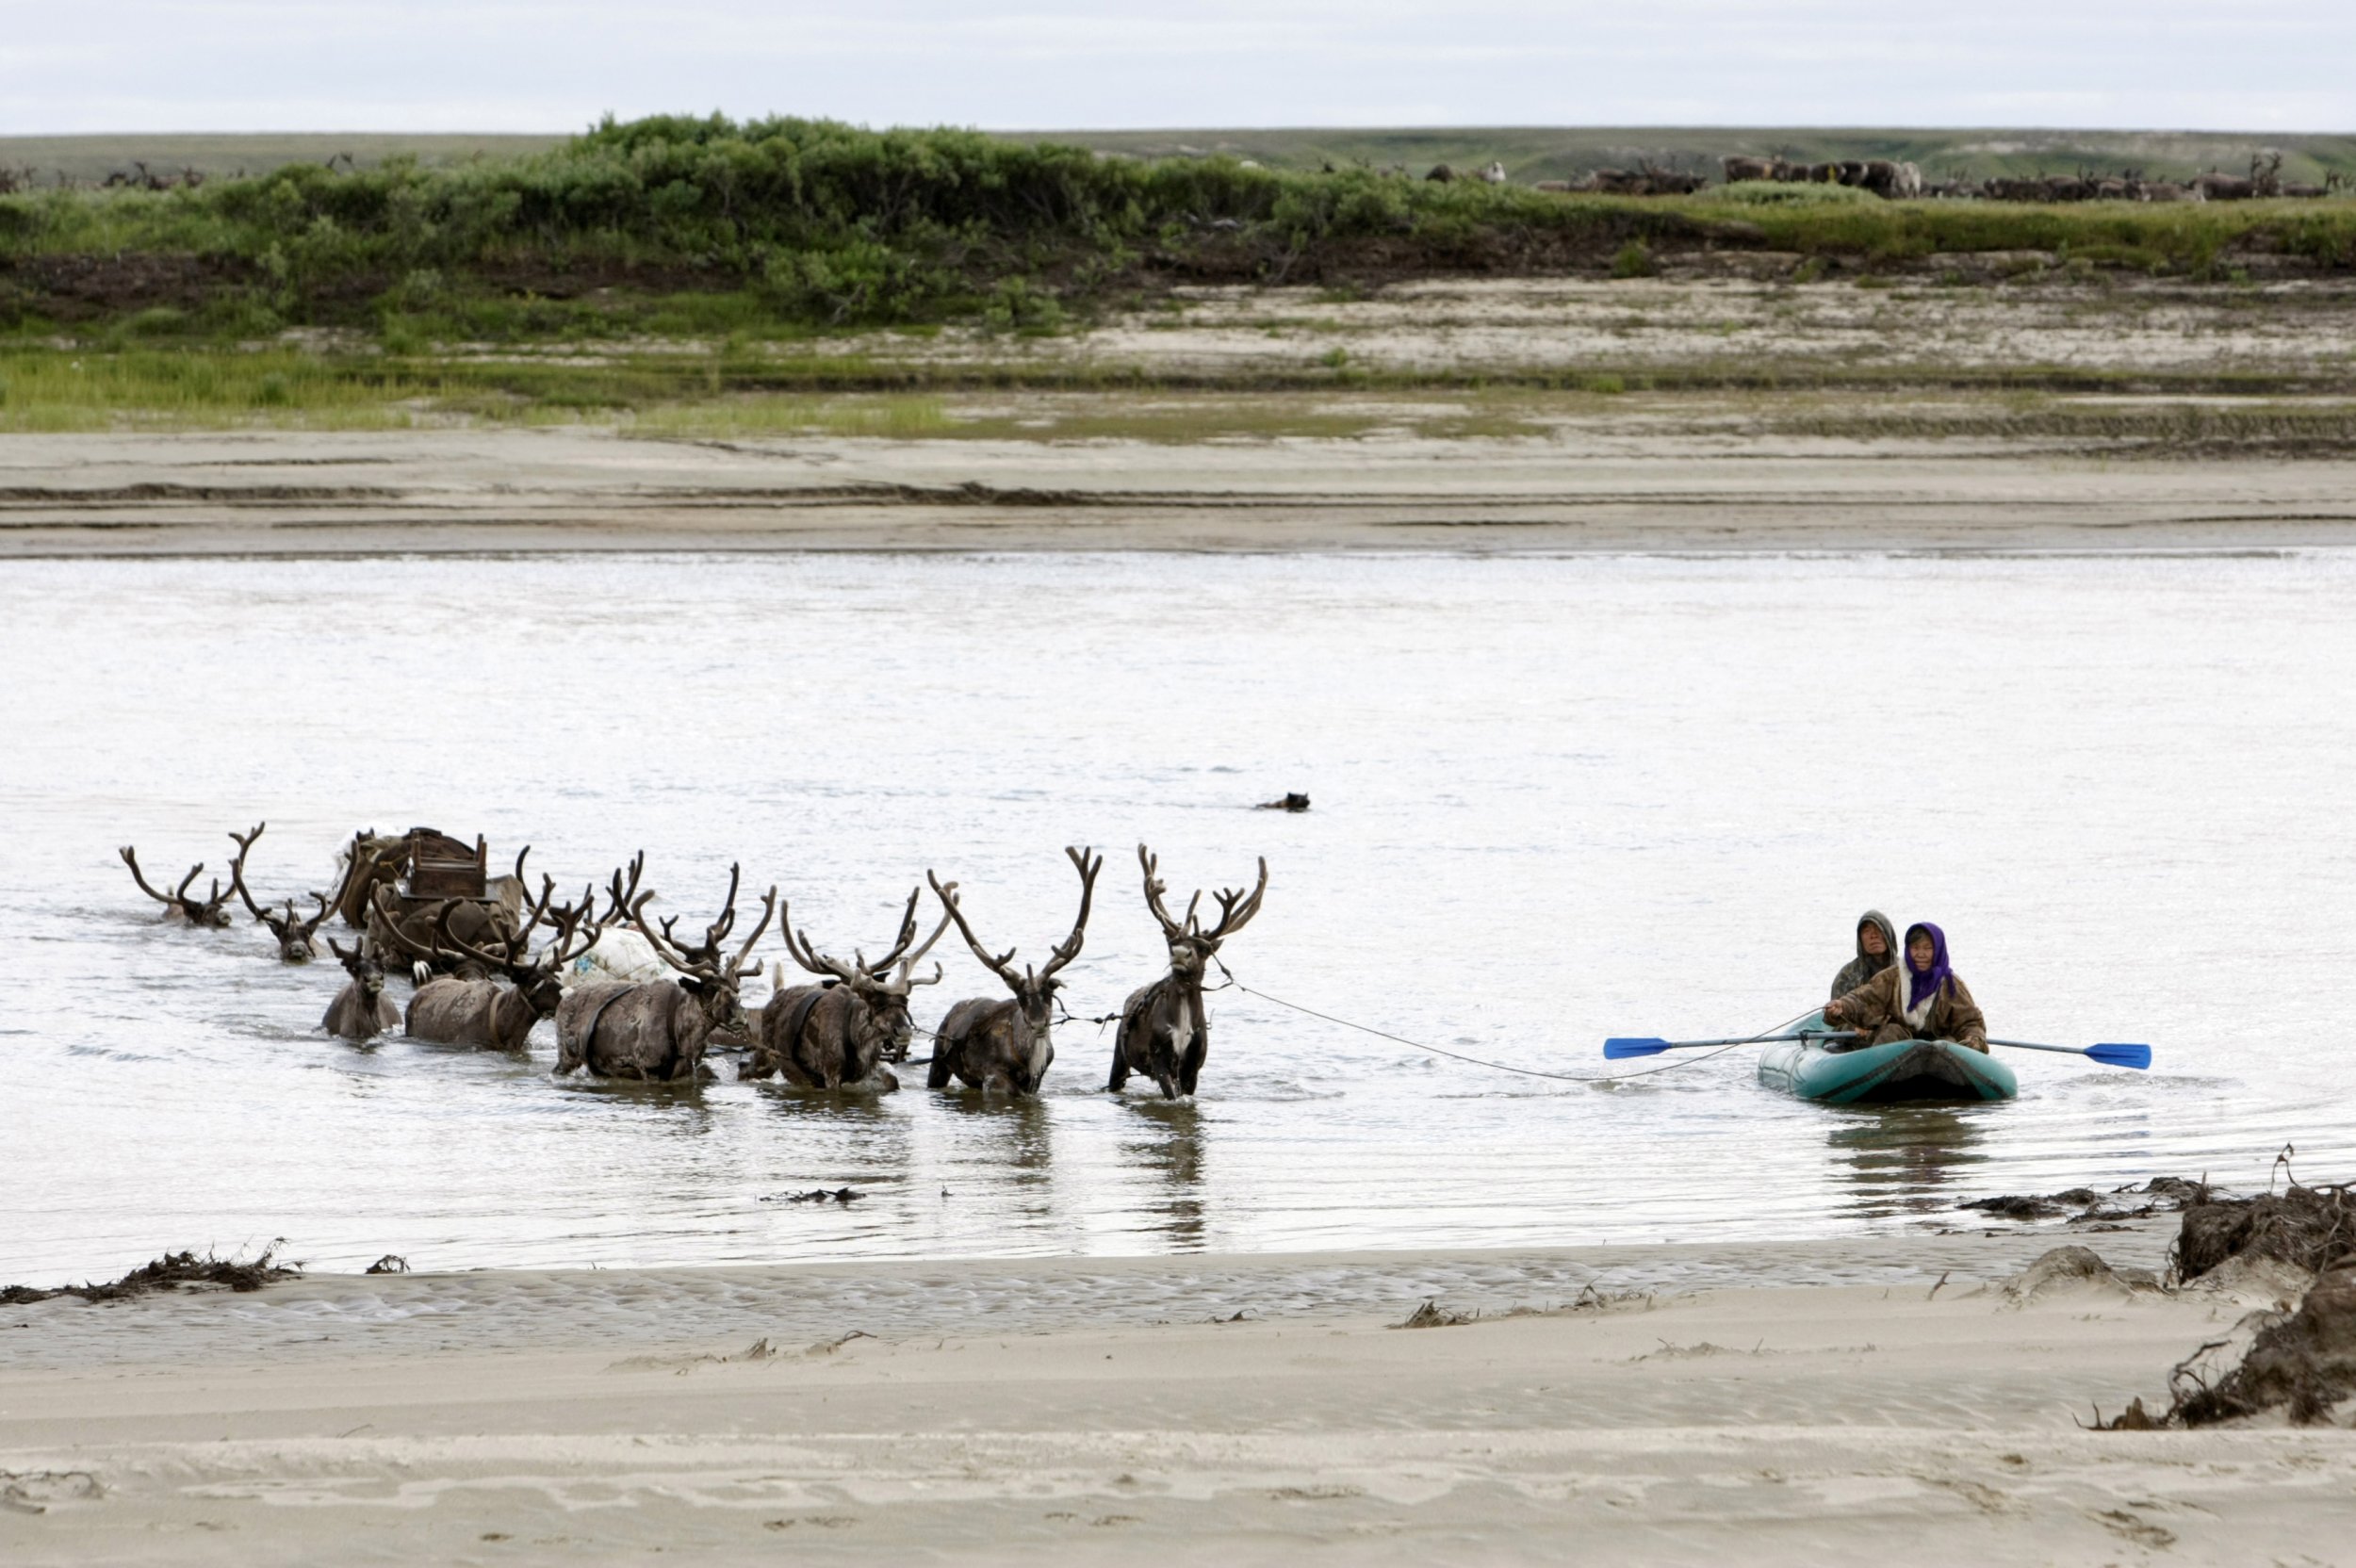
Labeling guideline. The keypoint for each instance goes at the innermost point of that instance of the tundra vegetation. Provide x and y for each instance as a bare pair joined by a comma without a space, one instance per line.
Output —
698,253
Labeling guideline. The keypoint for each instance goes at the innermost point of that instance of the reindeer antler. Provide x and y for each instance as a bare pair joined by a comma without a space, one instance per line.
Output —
237,874
1153,890
998,966
1234,909
701,963
1088,864
131,858
400,938
1233,917
805,953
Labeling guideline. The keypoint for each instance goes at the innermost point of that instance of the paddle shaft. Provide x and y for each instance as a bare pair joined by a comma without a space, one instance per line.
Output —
1756,1039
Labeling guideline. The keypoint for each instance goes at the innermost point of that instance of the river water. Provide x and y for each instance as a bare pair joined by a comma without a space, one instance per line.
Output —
1554,799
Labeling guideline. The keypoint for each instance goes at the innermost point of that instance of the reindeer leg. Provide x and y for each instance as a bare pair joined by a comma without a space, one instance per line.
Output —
1121,1063
1191,1065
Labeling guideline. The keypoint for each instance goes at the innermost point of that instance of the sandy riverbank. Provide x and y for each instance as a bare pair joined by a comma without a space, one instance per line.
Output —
1713,1407
1617,489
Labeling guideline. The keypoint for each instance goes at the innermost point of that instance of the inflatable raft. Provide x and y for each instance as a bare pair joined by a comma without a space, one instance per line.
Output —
1879,1074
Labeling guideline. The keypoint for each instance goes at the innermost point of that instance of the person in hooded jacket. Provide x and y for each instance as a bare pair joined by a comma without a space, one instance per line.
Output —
1920,998
1876,949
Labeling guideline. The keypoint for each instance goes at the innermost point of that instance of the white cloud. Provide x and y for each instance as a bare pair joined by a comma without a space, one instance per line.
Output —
105,65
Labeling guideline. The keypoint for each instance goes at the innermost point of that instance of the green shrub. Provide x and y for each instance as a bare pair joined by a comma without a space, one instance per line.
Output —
1633,260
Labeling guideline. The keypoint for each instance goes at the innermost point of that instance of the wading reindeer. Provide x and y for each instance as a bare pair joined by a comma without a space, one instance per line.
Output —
843,1030
361,1010
178,905
1004,1043
1164,1032
294,934
656,1030
484,1013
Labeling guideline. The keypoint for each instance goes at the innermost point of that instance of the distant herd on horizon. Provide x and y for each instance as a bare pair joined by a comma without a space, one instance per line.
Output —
636,1001
1897,181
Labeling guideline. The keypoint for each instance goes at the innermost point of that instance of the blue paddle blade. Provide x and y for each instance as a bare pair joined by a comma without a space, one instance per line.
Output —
1633,1045
2120,1055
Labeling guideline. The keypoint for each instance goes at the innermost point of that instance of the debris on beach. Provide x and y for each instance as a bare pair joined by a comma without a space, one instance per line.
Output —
2086,1207
391,1263
817,1195
2296,1362
1433,1316
1287,803
170,1272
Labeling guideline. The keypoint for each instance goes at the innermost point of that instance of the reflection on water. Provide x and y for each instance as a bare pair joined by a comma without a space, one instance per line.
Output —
1169,1143
1556,800
1905,1159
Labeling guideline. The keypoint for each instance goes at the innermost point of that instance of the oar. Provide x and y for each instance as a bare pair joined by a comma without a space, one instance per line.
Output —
2113,1055
1644,1045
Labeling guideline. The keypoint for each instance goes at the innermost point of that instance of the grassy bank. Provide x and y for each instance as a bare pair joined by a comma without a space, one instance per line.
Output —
674,226
713,275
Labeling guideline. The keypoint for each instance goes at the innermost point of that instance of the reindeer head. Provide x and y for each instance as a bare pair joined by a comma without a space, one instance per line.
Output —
1190,946
712,978
207,911
1034,989
294,934
883,985
361,963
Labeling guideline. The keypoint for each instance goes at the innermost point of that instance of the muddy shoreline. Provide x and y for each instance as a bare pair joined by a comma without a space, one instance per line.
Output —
292,492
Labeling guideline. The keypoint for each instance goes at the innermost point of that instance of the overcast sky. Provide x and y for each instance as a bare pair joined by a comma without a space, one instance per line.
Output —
166,65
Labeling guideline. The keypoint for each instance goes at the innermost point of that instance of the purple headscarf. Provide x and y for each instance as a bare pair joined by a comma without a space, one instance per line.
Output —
1925,983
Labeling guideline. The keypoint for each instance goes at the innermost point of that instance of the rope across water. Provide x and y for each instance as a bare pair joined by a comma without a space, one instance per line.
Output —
1459,1056
1401,1039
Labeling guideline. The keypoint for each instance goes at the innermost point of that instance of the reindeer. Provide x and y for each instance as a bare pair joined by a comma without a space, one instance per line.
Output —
205,912
482,1012
2215,186
842,1030
361,1010
1163,1032
988,1043
294,933
656,1030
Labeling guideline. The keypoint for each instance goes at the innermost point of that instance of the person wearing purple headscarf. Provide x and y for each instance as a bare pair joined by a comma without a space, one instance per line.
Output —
1921,999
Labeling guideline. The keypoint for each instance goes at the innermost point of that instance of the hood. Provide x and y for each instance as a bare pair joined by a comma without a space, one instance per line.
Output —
1925,984
1890,938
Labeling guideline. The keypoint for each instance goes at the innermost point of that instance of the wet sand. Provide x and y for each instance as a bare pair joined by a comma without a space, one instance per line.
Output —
1617,489
1834,1402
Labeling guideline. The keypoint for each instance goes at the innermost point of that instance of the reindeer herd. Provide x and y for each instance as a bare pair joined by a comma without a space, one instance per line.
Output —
632,998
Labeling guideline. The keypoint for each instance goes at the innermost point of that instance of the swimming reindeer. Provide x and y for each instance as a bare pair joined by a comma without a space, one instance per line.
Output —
361,1010
1004,1043
656,1030
294,933
452,1010
1164,1032
844,1029
205,912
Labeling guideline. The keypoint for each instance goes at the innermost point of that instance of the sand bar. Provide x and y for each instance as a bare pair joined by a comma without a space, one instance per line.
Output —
584,489
1710,1409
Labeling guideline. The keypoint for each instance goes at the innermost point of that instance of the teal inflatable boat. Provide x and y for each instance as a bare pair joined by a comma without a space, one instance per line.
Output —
1879,1074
